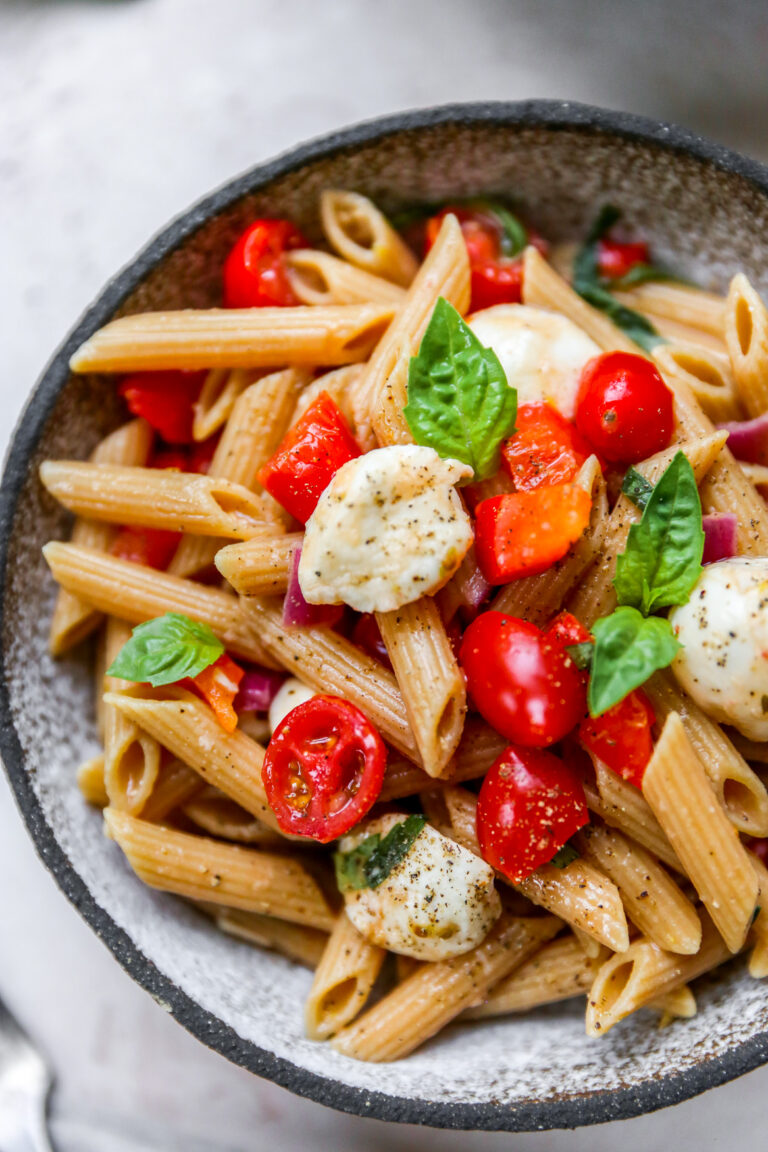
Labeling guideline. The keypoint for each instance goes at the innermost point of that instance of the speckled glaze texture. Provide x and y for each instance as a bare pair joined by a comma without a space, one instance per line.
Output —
699,204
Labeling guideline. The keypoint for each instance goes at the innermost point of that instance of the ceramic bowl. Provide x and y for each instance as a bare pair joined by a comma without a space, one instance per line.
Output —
699,204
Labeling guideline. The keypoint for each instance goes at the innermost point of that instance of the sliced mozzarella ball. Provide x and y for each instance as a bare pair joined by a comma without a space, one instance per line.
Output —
542,353
287,697
438,902
389,528
724,629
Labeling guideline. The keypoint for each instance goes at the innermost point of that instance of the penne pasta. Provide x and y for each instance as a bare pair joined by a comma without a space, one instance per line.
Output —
682,303
217,398
219,815
559,970
478,748
296,941
707,374
261,566
344,979
758,957
319,278
131,757
679,1004
362,234
621,805
90,781
746,334
235,338
176,783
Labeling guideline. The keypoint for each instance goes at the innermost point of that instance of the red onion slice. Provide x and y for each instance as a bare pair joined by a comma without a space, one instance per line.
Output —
298,612
719,537
748,439
258,689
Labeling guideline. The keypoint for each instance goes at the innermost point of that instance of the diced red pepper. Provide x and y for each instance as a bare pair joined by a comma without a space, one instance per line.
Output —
308,458
218,684
622,737
152,547
615,258
255,275
165,400
545,448
524,533
565,630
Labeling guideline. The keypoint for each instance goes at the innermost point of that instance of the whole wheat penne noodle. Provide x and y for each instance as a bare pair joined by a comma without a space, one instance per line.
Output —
360,233
205,869
405,966
131,756
90,781
758,936
580,894
678,1004
652,899
343,981
591,947
757,474
437,993
219,815
676,333
645,973
327,662
755,751
99,672
739,789
621,805
478,748
596,595
155,498
537,598
559,970
746,334
296,941
134,593
708,375
261,566
214,405
429,677
677,789
176,784
682,303
258,422
74,619
383,391
187,727
340,384
318,278
235,338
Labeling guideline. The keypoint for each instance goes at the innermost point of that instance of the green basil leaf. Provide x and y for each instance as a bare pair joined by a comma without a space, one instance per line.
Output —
628,649
369,864
514,235
636,488
565,856
643,274
166,649
459,401
662,561
581,654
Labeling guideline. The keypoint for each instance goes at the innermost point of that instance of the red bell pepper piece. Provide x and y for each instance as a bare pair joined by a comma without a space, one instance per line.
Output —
524,533
621,737
255,275
165,400
545,448
218,684
152,547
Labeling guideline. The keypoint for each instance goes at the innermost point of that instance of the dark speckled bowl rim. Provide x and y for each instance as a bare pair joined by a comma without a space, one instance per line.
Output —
535,1115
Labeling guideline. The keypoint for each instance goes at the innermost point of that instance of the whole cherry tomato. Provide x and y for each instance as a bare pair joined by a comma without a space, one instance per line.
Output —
615,258
164,399
323,768
521,681
530,804
255,275
624,409
621,737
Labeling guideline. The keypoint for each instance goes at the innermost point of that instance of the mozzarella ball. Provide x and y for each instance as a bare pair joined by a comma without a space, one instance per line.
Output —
388,529
542,353
438,902
288,696
724,629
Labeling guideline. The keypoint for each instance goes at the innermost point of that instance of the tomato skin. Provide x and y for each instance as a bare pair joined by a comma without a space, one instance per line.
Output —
152,547
218,684
323,768
623,408
529,806
615,258
565,630
622,737
254,271
524,685
524,533
308,458
164,398
545,448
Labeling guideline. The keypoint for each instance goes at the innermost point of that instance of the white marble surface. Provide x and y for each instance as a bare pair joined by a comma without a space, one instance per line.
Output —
114,115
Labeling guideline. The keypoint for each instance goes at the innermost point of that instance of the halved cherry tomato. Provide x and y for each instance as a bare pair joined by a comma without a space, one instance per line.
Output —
308,458
530,804
522,683
524,533
366,635
621,737
152,547
164,399
615,258
323,768
545,448
624,409
218,684
254,271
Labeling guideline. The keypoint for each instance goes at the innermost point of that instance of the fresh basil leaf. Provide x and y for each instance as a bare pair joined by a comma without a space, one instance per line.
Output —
166,649
459,401
369,864
628,649
581,654
662,561
565,856
514,235
636,488
643,274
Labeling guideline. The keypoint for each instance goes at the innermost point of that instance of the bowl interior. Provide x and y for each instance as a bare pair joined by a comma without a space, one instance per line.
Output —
535,1071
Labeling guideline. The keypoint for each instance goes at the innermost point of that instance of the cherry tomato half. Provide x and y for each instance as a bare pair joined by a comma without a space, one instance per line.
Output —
524,684
530,804
624,409
323,768
164,399
621,737
615,258
255,275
